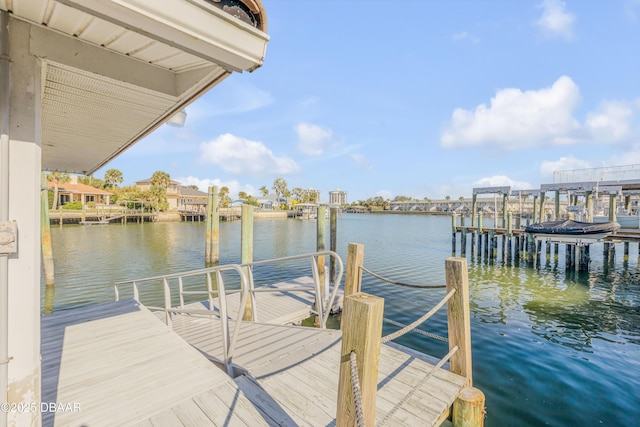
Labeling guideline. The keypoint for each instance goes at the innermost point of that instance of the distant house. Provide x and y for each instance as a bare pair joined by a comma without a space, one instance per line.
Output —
73,191
192,200
179,197
270,202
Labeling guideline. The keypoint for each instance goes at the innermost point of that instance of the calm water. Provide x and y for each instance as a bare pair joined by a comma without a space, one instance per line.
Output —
549,348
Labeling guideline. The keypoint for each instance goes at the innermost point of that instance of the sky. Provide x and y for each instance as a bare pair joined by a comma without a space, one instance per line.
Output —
420,98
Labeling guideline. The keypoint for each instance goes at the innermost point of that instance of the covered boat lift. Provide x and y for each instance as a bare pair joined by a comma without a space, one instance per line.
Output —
80,82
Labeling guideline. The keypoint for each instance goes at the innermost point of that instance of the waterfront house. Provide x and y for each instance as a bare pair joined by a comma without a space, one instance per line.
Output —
81,81
73,191
178,196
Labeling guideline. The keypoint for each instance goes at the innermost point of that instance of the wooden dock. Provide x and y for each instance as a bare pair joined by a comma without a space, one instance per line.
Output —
116,364
120,364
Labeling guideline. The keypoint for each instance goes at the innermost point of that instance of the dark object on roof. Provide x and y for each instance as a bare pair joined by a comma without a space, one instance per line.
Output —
572,228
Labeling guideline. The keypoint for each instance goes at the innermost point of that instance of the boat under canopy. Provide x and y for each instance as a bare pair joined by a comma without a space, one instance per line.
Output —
569,231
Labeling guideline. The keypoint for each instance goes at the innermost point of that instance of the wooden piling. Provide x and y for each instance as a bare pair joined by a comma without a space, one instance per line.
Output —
45,233
215,225
459,318
474,209
505,208
542,200
494,244
612,207
480,236
548,251
333,242
530,249
626,252
246,250
463,242
353,273
453,233
468,408
509,237
473,243
569,257
362,334
583,263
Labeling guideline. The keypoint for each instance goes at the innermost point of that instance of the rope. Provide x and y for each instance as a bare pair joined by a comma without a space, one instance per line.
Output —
355,388
397,406
400,283
418,322
417,331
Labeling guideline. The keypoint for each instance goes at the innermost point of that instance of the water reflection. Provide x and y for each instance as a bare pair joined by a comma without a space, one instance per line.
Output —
568,308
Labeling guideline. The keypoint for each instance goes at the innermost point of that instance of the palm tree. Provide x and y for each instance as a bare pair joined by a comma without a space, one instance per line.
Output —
113,176
242,195
57,178
161,179
224,191
279,186
264,191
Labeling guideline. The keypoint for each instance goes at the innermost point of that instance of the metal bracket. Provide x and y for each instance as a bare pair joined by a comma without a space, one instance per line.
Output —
8,237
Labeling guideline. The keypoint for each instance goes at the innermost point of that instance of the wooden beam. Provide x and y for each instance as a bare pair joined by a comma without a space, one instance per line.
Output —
353,275
362,334
459,319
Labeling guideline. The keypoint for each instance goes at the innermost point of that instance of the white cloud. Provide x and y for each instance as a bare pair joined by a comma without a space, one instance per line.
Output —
361,160
611,123
502,181
516,119
233,185
240,156
555,20
313,139
465,36
548,167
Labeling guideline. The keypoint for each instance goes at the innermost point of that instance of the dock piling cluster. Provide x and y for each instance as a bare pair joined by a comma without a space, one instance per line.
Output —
510,245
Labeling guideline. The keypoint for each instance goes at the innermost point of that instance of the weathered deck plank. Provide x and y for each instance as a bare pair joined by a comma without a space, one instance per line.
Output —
125,367
130,369
285,360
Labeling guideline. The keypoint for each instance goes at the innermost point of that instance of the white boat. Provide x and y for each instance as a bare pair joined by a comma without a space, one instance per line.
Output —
572,232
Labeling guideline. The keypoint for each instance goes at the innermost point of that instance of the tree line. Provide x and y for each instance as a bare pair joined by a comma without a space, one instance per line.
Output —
156,195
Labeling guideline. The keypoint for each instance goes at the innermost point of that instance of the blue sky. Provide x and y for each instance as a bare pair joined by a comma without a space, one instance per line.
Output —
422,98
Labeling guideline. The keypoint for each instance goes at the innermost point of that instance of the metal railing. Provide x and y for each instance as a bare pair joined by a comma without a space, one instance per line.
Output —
247,289
324,301
228,339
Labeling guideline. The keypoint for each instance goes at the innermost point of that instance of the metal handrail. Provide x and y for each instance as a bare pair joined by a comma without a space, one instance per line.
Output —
247,290
323,307
228,340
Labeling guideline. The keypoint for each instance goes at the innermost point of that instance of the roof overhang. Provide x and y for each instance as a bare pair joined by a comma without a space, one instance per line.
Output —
115,70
